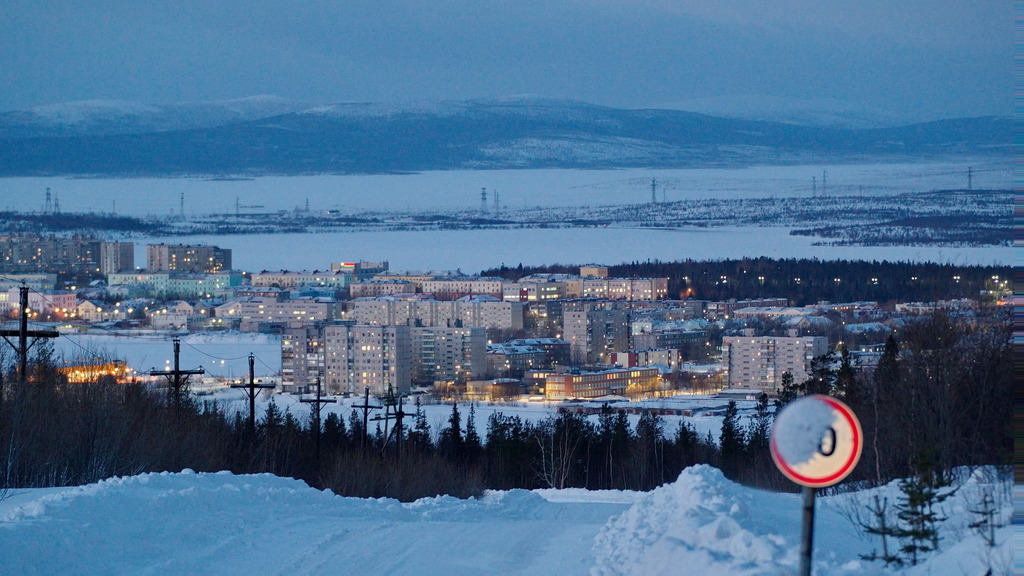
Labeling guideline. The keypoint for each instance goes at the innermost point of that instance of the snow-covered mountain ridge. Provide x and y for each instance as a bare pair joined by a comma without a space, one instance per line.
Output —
272,136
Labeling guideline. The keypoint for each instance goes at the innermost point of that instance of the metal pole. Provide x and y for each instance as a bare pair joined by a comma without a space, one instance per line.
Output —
807,534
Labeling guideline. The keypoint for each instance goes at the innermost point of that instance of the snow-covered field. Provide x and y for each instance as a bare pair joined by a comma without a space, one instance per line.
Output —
221,355
188,523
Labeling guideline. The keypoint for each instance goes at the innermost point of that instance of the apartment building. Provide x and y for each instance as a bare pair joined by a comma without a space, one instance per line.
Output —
458,286
759,361
374,287
200,259
257,313
448,354
57,303
670,357
184,285
482,311
337,279
302,357
625,288
360,356
594,329
725,308
28,253
533,291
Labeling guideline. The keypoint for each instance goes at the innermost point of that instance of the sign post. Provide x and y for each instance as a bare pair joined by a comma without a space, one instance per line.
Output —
816,442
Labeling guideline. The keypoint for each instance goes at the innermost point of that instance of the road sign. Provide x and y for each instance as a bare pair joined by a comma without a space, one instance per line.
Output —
816,441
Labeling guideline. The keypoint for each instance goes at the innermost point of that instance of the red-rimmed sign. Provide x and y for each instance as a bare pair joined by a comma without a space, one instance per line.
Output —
816,441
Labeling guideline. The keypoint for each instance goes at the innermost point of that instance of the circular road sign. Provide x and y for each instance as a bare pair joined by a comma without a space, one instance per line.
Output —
816,441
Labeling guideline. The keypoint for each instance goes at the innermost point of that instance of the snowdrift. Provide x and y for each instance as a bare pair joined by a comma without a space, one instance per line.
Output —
188,523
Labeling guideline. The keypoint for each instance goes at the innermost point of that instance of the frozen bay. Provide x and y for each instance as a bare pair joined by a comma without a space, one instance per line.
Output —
475,250
460,189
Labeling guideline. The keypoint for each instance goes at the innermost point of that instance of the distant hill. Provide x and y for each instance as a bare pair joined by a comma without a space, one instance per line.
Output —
266,135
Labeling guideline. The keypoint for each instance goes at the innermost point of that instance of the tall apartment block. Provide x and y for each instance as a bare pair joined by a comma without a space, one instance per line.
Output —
449,354
360,356
759,361
302,357
117,257
594,329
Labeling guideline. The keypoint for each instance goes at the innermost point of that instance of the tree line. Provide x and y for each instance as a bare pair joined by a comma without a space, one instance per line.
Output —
803,281
940,397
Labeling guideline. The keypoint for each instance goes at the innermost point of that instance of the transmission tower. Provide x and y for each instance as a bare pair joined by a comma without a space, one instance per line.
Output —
48,207
970,174
654,191
483,200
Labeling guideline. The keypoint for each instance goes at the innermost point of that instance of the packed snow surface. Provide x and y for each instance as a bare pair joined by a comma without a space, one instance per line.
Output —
188,523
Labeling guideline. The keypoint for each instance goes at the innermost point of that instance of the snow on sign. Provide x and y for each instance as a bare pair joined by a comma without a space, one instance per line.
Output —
816,441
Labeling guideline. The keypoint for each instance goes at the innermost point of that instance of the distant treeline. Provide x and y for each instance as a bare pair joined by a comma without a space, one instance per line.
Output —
803,281
940,397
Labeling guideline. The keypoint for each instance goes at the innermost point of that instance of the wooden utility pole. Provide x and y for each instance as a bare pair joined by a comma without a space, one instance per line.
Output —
392,411
23,334
366,417
252,390
177,378
318,403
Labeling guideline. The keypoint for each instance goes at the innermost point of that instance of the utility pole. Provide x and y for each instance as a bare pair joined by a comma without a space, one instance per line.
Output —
23,334
392,411
366,417
177,378
318,402
252,390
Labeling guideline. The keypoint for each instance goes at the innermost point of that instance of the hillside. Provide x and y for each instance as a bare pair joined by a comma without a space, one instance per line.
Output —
271,137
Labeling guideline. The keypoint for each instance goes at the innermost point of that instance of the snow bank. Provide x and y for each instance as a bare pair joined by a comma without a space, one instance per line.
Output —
188,523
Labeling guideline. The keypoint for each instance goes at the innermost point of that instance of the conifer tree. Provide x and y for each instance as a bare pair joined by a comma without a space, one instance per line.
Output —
472,440
731,441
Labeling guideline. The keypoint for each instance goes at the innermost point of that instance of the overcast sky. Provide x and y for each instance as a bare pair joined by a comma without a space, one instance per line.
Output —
940,57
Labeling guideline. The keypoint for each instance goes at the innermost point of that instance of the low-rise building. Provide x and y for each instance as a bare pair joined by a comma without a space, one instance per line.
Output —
625,288
629,382
453,287
336,279
255,313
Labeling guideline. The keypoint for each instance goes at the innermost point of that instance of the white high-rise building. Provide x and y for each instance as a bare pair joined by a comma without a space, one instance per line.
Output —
759,361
